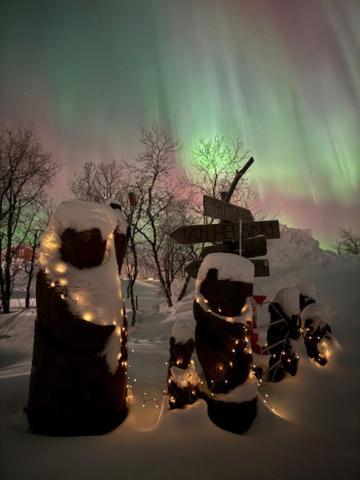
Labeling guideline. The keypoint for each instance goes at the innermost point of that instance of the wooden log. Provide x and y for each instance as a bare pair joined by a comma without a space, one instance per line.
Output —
230,416
225,297
215,340
72,391
180,357
282,357
221,350
83,249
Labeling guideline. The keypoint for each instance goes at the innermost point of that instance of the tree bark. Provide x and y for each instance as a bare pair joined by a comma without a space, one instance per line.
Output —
31,271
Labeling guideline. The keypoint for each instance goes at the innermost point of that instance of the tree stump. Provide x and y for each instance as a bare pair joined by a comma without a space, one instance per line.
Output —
78,382
223,315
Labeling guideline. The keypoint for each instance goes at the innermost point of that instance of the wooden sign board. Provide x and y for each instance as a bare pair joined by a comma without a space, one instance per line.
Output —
251,247
261,268
254,246
268,228
225,232
225,211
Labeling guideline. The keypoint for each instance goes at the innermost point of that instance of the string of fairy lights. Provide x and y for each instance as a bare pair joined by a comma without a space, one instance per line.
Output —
57,272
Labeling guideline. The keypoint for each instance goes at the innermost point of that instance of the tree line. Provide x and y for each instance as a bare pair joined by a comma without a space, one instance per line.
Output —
155,193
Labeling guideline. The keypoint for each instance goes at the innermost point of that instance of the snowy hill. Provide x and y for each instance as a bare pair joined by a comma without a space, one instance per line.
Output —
315,434
297,247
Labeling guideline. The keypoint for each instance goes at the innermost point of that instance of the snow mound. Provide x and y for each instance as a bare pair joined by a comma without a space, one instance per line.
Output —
184,329
317,312
229,267
245,392
297,246
289,300
306,288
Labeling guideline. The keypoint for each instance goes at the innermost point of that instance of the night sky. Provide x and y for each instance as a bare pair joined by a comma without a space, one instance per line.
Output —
282,75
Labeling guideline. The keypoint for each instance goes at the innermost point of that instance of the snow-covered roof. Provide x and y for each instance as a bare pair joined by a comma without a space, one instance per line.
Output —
81,215
229,267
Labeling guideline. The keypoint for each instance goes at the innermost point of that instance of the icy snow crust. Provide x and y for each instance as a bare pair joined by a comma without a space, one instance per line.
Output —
229,267
93,294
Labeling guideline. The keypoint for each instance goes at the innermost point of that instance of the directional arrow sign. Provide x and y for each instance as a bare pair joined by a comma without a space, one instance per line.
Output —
251,247
225,232
261,268
225,211
268,228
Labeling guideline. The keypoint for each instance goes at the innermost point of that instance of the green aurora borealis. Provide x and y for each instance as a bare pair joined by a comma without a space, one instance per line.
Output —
282,75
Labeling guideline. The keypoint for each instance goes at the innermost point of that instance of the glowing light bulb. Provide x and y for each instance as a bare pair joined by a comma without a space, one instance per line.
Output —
244,309
60,267
88,316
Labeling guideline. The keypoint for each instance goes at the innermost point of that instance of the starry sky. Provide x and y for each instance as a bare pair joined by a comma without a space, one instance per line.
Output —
281,75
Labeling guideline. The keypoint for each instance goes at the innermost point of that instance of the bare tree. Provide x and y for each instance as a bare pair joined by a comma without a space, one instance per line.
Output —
158,189
38,226
98,182
215,163
349,243
26,169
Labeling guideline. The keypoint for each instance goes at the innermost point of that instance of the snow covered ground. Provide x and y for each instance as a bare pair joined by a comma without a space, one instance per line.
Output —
315,435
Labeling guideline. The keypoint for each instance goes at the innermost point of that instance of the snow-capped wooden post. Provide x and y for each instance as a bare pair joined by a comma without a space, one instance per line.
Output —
183,381
284,326
223,314
315,324
78,381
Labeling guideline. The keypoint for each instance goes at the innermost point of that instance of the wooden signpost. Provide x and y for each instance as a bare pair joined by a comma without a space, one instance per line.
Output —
225,235
225,211
225,232
251,247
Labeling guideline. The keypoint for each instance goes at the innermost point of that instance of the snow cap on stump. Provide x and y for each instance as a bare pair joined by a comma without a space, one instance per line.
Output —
81,215
229,267
288,299
317,312
306,288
